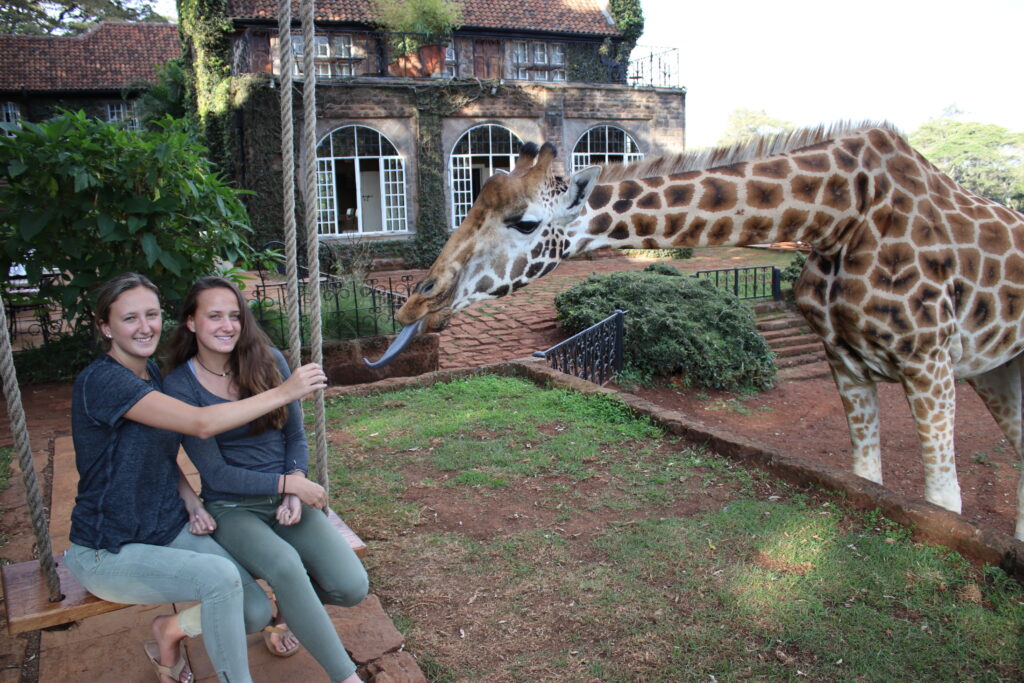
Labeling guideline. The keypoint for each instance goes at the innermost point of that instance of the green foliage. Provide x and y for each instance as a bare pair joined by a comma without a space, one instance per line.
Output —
165,97
791,272
431,20
746,124
663,269
629,17
346,312
675,326
59,360
92,200
678,253
985,158
67,17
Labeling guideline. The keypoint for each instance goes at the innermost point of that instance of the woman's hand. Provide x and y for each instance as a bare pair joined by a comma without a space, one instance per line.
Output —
201,522
309,492
289,511
304,381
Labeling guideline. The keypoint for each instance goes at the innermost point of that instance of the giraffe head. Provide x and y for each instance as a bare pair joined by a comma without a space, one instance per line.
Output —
514,233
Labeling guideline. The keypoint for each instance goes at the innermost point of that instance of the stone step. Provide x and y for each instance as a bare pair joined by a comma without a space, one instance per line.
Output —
784,323
801,372
812,349
789,336
802,359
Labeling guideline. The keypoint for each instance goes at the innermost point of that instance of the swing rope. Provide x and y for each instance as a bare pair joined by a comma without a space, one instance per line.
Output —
16,413
307,159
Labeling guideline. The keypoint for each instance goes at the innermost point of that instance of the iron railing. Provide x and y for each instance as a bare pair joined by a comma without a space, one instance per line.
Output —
755,282
349,308
595,354
654,67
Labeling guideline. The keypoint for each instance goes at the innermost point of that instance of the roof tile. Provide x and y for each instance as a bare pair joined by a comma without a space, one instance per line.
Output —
558,16
107,57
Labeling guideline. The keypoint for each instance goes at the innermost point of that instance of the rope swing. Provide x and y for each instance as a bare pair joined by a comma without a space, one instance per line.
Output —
307,159
16,413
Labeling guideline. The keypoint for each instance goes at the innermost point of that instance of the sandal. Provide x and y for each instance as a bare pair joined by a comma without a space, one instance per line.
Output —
179,672
271,630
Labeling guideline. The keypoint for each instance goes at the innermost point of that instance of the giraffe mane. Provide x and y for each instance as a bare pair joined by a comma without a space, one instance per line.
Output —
714,157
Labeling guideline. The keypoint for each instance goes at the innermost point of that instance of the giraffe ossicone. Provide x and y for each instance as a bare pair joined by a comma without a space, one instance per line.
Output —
911,279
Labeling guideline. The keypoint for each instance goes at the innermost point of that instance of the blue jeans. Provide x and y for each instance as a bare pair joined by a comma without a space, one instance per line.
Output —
188,568
306,565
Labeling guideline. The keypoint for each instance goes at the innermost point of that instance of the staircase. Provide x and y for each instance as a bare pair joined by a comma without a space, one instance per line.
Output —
799,353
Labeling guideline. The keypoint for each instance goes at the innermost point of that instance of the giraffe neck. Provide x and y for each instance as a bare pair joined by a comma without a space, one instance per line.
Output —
812,195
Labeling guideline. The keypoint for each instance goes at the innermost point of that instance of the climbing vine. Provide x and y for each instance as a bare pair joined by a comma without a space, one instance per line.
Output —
629,17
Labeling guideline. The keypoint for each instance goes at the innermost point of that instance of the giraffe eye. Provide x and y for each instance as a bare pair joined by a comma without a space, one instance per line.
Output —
525,227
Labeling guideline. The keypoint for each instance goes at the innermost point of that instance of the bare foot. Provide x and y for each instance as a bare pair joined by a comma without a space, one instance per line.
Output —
168,637
283,642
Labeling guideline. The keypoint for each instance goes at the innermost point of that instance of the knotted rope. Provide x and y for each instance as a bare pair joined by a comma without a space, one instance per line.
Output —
307,158
16,412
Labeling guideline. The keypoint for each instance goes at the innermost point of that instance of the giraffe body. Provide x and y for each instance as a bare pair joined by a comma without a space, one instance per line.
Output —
912,278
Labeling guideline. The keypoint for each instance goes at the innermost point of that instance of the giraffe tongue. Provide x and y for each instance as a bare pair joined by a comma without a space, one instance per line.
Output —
397,345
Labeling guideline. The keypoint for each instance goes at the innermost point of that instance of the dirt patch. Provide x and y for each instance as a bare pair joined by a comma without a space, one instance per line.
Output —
806,418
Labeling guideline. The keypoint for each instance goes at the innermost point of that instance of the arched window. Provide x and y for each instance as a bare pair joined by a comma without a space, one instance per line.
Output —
360,183
604,145
479,153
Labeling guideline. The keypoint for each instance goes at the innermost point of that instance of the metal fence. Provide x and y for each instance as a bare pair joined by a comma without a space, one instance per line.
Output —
349,308
595,354
755,282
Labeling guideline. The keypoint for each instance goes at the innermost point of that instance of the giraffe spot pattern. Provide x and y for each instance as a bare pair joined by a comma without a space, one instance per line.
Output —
778,169
599,197
791,223
717,195
993,238
629,189
837,193
644,225
656,181
599,224
620,232
693,233
906,174
679,195
650,201
762,195
674,222
805,188
813,163
756,229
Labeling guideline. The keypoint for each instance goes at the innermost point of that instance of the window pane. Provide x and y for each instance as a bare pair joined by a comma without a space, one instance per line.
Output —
540,53
368,142
558,53
323,48
345,142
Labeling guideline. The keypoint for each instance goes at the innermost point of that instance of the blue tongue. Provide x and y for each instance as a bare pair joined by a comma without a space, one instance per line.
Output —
397,345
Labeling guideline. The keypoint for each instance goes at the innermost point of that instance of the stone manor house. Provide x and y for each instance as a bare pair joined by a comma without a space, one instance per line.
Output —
407,131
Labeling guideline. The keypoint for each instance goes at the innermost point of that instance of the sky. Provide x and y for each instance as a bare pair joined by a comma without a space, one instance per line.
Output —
819,61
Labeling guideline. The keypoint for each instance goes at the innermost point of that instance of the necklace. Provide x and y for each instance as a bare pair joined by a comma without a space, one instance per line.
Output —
219,374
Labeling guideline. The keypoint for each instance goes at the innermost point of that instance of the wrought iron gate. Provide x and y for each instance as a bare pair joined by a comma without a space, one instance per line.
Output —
595,354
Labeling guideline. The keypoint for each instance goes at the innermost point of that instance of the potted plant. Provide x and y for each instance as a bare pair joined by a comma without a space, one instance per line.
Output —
430,22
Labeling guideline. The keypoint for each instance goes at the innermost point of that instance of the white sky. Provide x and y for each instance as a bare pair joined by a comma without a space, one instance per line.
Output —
818,61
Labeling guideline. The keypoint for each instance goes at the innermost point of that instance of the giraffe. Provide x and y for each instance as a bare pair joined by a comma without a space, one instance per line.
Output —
911,279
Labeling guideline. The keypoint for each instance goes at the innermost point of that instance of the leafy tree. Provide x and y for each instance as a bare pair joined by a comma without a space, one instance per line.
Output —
746,124
985,158
91,200
165,97
70,16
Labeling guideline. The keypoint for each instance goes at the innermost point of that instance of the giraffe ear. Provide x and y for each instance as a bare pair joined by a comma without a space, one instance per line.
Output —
581,184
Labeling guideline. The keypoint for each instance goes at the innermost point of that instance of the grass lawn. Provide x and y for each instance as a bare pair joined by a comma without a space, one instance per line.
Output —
523,534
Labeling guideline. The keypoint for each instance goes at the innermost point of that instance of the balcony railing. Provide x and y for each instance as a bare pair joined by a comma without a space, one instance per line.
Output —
343,55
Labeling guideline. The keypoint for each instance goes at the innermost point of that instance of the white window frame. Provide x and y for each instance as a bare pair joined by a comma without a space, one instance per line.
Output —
460,167
392,190
10,112
123,112
588,156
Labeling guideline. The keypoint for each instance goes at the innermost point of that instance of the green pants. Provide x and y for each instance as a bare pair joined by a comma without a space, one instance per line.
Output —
306,564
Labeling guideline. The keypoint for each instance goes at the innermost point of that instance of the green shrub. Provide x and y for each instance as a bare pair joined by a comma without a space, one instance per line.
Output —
663,269
675,326
791,272
679,253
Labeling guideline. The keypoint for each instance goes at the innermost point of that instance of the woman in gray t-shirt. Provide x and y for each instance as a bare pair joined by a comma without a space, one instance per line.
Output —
254,477
139,533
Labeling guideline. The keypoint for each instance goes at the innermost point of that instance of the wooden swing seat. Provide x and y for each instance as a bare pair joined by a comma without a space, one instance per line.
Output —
25,593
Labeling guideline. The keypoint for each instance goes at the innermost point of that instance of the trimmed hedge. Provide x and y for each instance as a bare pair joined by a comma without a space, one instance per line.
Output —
676,326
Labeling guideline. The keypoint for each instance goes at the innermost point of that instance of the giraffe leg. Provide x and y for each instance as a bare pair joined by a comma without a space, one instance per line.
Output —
1000,389
932,398
860,402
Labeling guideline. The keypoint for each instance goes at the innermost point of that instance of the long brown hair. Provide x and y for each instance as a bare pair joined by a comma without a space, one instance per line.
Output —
108,293
252,365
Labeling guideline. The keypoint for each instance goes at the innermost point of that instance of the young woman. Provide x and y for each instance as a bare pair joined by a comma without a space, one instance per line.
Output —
254,477
132,538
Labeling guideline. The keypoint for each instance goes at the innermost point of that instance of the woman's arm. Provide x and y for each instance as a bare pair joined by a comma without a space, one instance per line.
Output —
200,522
159,410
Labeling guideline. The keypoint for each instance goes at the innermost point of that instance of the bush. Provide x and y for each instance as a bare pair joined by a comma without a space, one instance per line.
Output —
675,326
663,269
791,272
91,200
